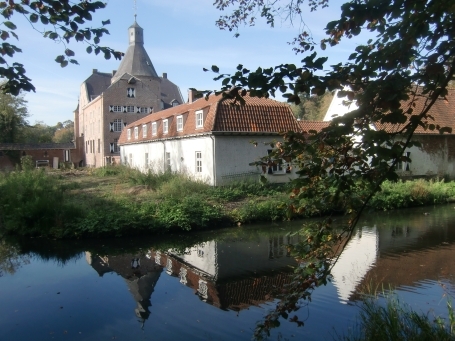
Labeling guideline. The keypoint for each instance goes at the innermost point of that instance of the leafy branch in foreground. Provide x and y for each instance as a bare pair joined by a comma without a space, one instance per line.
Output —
394,79
63,19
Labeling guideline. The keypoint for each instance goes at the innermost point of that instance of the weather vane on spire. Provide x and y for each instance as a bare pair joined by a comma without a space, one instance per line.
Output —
135,10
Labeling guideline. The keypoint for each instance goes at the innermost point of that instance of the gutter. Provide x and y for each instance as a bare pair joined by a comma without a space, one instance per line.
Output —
214,159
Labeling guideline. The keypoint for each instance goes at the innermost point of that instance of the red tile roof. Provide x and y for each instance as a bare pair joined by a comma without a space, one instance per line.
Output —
317,126
443,112
221,115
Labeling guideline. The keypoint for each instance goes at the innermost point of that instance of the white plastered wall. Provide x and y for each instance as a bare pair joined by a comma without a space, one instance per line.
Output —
235,153
182,156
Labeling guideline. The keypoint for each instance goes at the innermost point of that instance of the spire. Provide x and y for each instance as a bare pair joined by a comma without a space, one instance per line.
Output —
136,61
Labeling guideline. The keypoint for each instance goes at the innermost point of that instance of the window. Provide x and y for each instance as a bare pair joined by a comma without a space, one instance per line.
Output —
144,130
198,162
117,125
116,148
146,159
175,103
99,146
131,159
129,108
179,123
128,135
153,128
162,105
199,119
136,132
125,160
142,110
131,92
116,108
274,166
165,126
168,161
402,164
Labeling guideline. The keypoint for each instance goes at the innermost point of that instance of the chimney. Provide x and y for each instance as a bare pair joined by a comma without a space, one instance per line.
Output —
95,70
191,95
165,75
114,72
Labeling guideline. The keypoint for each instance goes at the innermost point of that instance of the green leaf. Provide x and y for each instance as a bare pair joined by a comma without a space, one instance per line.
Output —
34,18
10,25
69,53
44,20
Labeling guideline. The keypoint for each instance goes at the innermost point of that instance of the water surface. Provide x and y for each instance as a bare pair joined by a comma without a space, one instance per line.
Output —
217,285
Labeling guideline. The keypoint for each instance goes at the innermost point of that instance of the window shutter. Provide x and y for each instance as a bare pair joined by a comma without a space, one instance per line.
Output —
408,154
150,110
111,108
138,110
124,108
111,147
124,124
111,126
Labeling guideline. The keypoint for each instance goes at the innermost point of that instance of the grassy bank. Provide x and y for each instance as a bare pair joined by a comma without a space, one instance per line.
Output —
118,201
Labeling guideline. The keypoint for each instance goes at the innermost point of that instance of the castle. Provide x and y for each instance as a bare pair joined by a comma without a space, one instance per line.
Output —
108,102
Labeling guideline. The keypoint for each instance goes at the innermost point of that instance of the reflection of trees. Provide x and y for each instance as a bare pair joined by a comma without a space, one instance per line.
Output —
11,259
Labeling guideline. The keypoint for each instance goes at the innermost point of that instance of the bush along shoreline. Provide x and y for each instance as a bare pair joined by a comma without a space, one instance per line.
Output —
119,201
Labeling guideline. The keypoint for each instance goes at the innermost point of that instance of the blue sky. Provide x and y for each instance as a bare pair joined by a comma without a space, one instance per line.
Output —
180,37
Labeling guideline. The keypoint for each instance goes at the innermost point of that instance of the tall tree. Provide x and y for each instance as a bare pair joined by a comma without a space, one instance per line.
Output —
13,118
61,21
312,108
394,78
64,132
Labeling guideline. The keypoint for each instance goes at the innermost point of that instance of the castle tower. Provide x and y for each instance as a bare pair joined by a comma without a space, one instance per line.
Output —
136,61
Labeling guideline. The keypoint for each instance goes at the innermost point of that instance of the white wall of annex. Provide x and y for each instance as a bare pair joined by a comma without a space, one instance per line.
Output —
182,156
235,153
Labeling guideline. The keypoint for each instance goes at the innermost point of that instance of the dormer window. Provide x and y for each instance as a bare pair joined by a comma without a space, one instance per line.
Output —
128,134
131,92
175,103
165,126
153,128
136,132
144,130
179,123
199,119
162,105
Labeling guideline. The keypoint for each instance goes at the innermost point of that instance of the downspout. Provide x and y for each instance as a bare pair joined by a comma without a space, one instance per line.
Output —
164,156
214,160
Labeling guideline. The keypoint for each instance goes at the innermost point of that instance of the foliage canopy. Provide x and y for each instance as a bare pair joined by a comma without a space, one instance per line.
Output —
62,22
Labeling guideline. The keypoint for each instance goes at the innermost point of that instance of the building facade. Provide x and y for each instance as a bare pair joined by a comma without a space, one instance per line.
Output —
216,140
435,156
108,102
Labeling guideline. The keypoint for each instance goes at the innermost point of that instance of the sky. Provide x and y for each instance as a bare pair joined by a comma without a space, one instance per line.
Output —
181,39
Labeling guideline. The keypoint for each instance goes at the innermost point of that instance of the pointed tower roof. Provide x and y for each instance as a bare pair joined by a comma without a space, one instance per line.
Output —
136,61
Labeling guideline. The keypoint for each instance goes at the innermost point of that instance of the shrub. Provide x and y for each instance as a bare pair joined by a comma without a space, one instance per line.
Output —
33,203
186,213
27,163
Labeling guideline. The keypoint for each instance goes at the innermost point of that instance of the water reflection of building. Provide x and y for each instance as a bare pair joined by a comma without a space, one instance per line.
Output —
232,274
139,272
402,252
